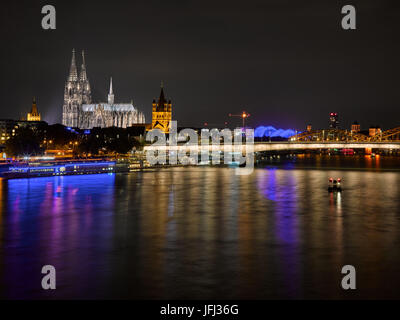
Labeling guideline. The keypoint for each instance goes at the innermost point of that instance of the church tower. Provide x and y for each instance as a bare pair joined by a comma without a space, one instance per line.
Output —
76,91
84,83
162,112
111,94
34,115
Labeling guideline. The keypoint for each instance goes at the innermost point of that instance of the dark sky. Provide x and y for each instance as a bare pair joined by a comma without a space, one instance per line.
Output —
288,63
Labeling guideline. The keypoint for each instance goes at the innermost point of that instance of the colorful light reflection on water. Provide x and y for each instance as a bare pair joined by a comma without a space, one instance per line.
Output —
45,218
200,233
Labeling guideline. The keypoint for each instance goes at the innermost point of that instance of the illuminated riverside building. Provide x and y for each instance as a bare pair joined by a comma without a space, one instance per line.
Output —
373,131
355,127
34,115
80,112
9,127
333,120
162,112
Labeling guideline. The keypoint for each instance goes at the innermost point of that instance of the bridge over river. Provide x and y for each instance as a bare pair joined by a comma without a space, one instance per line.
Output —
280,146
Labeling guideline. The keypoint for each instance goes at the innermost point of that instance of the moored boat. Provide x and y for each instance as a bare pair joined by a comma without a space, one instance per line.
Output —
56,168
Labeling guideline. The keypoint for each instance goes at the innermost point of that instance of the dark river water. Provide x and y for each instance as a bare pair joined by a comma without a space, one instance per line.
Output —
204,232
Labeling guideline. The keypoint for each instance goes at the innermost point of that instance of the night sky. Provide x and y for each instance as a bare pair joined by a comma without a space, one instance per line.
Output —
287,63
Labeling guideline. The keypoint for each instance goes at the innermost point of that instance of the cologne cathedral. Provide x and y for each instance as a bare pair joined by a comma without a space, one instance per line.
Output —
80,112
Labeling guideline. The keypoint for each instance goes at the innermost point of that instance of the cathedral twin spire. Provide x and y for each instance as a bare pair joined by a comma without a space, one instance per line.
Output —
83,79
83,75
73,71
77,92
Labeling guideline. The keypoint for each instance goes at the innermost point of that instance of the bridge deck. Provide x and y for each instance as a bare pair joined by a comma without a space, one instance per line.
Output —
277,146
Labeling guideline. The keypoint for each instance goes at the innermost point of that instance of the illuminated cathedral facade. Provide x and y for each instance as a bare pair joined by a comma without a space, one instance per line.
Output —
80,112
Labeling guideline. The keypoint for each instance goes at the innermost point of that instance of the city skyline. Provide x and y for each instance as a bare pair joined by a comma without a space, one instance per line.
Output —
192,157
212,62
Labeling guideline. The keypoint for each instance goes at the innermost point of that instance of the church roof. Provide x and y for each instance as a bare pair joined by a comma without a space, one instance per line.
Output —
34,110
161,100
125,107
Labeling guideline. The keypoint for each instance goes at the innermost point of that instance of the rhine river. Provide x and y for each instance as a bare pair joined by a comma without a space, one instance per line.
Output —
205,233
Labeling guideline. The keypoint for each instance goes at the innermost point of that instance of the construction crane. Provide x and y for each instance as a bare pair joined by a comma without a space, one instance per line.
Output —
244,115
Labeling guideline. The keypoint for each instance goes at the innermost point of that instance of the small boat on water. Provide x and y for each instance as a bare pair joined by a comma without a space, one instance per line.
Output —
335,185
